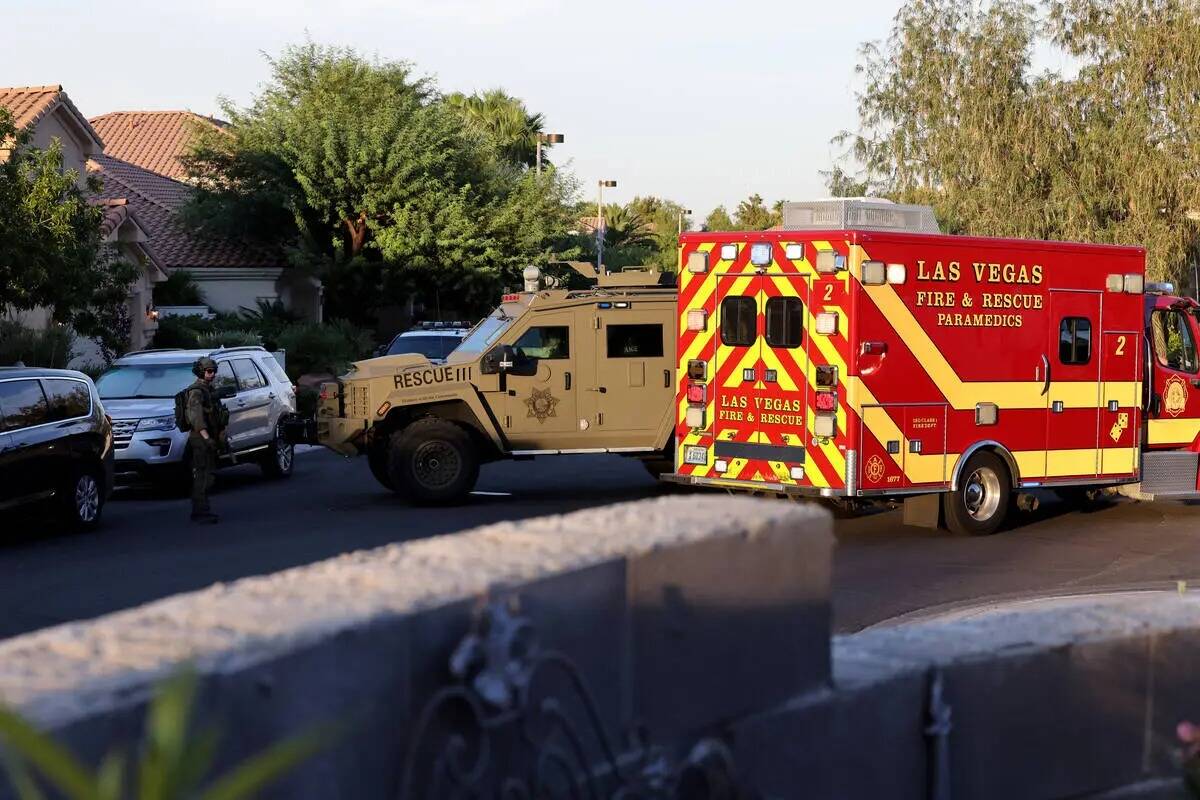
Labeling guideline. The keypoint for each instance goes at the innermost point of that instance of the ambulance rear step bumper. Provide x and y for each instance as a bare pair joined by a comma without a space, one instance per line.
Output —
1169,473
755,486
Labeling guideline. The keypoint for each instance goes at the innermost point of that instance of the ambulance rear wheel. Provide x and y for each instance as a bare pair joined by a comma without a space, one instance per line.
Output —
980,503
433,462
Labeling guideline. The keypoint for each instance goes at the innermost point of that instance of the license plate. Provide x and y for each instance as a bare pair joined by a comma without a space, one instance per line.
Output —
696,455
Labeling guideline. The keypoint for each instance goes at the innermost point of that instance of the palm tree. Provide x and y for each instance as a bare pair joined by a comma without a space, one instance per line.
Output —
626,229
504,121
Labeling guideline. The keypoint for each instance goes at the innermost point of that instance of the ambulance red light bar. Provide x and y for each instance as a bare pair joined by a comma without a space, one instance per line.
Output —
510,298
697,393
826,402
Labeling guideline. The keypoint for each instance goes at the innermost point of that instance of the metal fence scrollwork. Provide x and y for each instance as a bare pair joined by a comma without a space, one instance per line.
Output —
519,722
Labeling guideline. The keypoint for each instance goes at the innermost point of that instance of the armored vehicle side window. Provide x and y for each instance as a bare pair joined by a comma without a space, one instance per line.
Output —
1173,343
22,405
635,341
1075,340
739,321
224,377
546,341
68,399
785,321
248,375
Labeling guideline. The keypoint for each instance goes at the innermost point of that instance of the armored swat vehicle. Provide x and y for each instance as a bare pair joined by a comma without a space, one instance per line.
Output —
551,371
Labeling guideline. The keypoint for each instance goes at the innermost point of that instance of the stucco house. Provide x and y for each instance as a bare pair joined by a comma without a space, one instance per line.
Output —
48,114
141,163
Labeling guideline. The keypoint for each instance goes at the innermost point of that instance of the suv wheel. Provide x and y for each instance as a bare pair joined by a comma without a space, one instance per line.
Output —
280,457
433,462
83,500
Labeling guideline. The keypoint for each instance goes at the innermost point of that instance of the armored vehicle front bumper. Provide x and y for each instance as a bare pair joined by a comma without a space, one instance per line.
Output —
345,435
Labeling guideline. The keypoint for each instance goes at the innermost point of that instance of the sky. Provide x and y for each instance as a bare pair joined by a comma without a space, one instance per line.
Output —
703,102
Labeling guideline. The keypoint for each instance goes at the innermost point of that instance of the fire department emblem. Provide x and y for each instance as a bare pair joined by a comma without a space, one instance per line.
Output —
875,469
1119,427
541,404
1175,395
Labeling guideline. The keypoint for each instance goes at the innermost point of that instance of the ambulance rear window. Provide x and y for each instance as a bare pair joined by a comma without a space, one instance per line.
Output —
785,321
739,321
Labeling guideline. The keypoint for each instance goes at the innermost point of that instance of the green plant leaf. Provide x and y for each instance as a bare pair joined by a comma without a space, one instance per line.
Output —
110,779
52,761
22,781
166,739
253,775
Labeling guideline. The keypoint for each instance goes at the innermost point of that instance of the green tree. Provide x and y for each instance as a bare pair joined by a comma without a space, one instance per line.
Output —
952,116
504,121
663,218
718,220
387,194
50,242
752,214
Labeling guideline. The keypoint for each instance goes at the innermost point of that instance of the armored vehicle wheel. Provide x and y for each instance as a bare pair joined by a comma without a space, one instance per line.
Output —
377,460
433,462
658,466
980,503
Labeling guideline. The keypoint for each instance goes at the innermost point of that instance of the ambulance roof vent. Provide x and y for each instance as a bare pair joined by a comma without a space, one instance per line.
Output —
858,213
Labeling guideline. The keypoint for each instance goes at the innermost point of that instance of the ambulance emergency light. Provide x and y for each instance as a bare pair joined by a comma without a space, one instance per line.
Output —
760,254
728,252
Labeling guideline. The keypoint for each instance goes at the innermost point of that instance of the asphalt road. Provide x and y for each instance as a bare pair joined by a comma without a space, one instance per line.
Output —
147,549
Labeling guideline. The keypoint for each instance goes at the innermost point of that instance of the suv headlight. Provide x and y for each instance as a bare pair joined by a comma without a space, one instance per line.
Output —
157,423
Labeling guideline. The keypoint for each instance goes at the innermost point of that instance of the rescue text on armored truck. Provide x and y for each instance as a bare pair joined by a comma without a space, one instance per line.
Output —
429,376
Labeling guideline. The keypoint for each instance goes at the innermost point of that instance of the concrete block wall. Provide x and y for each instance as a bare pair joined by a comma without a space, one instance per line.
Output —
683,613
1071,700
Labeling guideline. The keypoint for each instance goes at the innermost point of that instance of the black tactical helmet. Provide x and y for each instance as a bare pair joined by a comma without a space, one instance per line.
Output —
203,363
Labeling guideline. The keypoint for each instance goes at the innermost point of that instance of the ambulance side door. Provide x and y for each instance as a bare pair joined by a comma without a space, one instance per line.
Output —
1173,413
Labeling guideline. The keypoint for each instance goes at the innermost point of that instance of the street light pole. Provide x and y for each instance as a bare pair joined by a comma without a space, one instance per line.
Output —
600,225
548,138
683,212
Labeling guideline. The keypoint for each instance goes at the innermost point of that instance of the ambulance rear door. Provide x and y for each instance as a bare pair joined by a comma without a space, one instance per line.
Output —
760,381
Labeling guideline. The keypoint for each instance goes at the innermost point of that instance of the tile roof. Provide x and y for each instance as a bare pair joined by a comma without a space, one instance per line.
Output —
156,200
153,140
29,104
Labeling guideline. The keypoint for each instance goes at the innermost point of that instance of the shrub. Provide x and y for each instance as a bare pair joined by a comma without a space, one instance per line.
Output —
179,289
46,348
314,348
228,338
181,332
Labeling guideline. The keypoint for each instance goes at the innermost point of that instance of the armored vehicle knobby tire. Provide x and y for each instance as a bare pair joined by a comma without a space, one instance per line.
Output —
432,462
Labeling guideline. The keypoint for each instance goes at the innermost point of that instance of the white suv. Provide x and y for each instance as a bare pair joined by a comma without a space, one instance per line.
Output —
139,390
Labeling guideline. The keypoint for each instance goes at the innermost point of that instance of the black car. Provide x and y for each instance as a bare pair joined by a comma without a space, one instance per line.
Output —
56,443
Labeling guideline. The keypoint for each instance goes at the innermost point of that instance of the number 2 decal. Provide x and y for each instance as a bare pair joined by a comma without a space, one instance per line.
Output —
1120,345
828,292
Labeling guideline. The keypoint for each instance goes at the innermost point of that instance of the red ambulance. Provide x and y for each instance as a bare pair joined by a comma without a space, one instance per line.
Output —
857,354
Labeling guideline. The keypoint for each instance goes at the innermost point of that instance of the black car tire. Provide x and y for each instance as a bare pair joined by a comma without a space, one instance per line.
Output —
433,462
280,457
981,502
83,498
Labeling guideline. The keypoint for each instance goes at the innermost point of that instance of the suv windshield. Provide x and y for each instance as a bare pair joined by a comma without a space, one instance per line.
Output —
428,346
484,334
128,381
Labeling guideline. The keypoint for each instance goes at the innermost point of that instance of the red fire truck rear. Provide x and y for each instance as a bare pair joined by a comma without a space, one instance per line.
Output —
857,354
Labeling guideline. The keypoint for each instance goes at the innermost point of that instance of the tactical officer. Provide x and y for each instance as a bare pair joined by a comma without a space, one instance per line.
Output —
206,419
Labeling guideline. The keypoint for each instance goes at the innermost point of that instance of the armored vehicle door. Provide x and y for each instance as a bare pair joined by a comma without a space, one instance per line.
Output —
541,409
633,374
